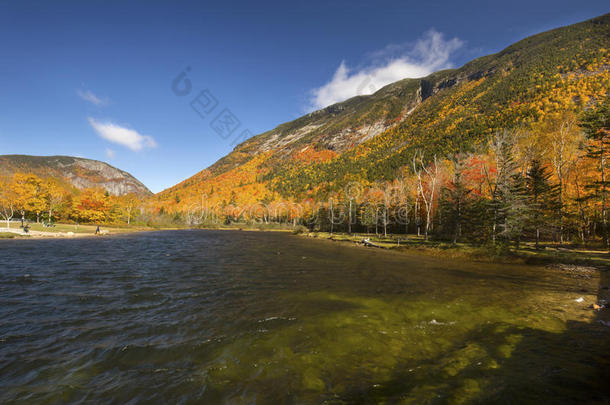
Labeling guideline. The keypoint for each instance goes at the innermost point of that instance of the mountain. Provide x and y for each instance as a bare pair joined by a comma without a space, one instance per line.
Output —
370,138
75,172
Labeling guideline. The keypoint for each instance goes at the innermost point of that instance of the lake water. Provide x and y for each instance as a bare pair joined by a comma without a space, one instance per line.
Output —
253,317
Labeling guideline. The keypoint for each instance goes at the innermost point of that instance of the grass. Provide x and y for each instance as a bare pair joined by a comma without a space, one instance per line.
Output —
63,228
83,229
80,229
527,253
249,226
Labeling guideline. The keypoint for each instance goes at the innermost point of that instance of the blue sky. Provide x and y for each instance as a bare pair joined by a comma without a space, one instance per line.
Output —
94,78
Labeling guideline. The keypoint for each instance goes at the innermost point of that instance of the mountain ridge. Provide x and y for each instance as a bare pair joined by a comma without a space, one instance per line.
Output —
77,172
370,137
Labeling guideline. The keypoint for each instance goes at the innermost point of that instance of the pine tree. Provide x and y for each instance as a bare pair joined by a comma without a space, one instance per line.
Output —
455,201
596,125
514,209
542,197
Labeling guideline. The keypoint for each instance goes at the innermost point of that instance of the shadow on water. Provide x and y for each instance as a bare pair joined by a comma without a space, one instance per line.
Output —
507,364
496,357
510,365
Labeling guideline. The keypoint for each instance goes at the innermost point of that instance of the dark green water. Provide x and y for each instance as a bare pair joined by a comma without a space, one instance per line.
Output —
248,317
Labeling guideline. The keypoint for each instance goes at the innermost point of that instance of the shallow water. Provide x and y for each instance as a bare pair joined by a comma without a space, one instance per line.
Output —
250,317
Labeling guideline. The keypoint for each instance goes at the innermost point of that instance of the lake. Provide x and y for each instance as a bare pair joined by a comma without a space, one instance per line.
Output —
254,317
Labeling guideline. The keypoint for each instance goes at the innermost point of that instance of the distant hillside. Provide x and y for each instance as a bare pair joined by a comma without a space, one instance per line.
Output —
75,172
369,138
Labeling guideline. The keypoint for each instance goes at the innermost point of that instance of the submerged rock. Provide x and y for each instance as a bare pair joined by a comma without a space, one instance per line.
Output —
575,270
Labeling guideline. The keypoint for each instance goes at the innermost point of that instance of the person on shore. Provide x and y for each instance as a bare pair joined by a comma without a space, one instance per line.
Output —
26,228
97,230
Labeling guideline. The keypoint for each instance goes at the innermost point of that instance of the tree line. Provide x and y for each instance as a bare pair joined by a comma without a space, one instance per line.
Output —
547,182
25,196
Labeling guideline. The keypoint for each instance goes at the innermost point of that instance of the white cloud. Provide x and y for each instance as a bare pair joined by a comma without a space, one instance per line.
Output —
110,154
92,98
122,136
428,54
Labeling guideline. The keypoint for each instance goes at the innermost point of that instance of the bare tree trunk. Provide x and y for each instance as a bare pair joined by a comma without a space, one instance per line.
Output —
560,211
332,216
406,218
432,176
581,211
603,173
377,220
349,222
7,213
417,220
559,161
458,224
385,221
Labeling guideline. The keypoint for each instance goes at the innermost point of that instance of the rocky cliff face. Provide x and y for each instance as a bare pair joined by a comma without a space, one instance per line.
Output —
338,128
78,172
343,126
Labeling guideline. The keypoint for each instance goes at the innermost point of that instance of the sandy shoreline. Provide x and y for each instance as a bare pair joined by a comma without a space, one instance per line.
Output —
32,234
18,232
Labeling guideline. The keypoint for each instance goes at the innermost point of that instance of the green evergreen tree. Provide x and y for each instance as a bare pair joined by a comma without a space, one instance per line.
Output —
542,197
514,209
596,125
454,202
